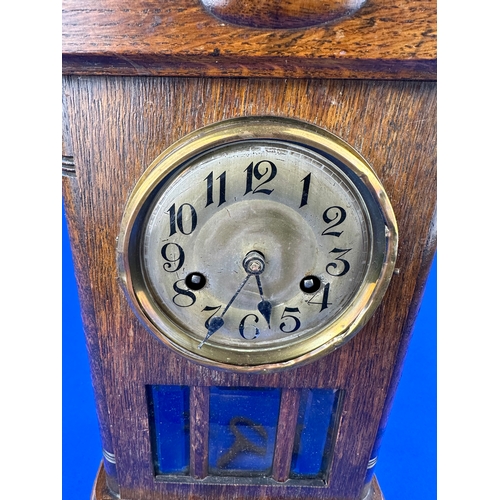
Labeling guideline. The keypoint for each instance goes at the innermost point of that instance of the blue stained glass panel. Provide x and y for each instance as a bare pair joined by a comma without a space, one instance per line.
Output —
314,435
169,421
242,431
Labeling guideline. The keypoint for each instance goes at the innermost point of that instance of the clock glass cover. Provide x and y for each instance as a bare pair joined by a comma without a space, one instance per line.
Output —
257,244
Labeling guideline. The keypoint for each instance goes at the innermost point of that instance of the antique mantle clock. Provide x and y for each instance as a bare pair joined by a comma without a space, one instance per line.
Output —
250,193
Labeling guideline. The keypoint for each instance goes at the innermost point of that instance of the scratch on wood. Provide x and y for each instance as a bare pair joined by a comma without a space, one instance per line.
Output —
141,70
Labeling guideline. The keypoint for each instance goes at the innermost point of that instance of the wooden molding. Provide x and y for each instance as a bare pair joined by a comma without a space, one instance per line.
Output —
383,40
100,490
281,14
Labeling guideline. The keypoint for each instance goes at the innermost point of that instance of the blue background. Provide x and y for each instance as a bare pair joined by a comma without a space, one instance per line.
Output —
406,468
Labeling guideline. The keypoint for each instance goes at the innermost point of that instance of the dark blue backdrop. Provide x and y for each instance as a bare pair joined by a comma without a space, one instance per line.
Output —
406,468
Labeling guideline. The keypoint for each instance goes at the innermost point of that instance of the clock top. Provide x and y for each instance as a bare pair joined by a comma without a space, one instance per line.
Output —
352,39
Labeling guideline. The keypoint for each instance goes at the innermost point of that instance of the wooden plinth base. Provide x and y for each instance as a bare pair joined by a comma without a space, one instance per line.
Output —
377,492
101,492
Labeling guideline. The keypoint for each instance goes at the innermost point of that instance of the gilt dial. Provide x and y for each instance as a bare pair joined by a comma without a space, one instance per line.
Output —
257,244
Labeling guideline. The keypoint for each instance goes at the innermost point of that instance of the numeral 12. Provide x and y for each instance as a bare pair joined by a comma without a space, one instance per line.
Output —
254,171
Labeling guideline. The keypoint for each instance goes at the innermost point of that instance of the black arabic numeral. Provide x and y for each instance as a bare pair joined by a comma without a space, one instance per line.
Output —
177,219
334,214
242,327
324,301
182,295
170,256
340,266
210,188
210,308
305,190
334,266
294,318
253,171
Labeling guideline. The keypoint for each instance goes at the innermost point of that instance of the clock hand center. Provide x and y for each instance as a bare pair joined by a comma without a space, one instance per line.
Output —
254,263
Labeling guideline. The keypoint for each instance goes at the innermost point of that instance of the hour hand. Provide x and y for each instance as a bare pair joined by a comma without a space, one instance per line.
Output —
264,306
254,264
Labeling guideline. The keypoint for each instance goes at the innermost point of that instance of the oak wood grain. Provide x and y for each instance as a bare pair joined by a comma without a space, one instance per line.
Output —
280,14
118,125
199,410
72,204
285,437
383,39
100,490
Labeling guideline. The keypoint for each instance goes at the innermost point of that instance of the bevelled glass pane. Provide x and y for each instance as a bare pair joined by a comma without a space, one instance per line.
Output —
169,421
242,431
314,434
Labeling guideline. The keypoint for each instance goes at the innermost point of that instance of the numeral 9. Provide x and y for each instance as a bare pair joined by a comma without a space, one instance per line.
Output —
171,258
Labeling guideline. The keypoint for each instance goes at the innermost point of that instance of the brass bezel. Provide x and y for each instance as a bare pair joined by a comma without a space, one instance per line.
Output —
259,128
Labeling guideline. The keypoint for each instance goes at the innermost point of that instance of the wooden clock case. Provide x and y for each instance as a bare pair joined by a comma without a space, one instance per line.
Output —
138,76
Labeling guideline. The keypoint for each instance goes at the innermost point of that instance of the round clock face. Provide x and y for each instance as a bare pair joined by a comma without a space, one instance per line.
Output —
257,244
